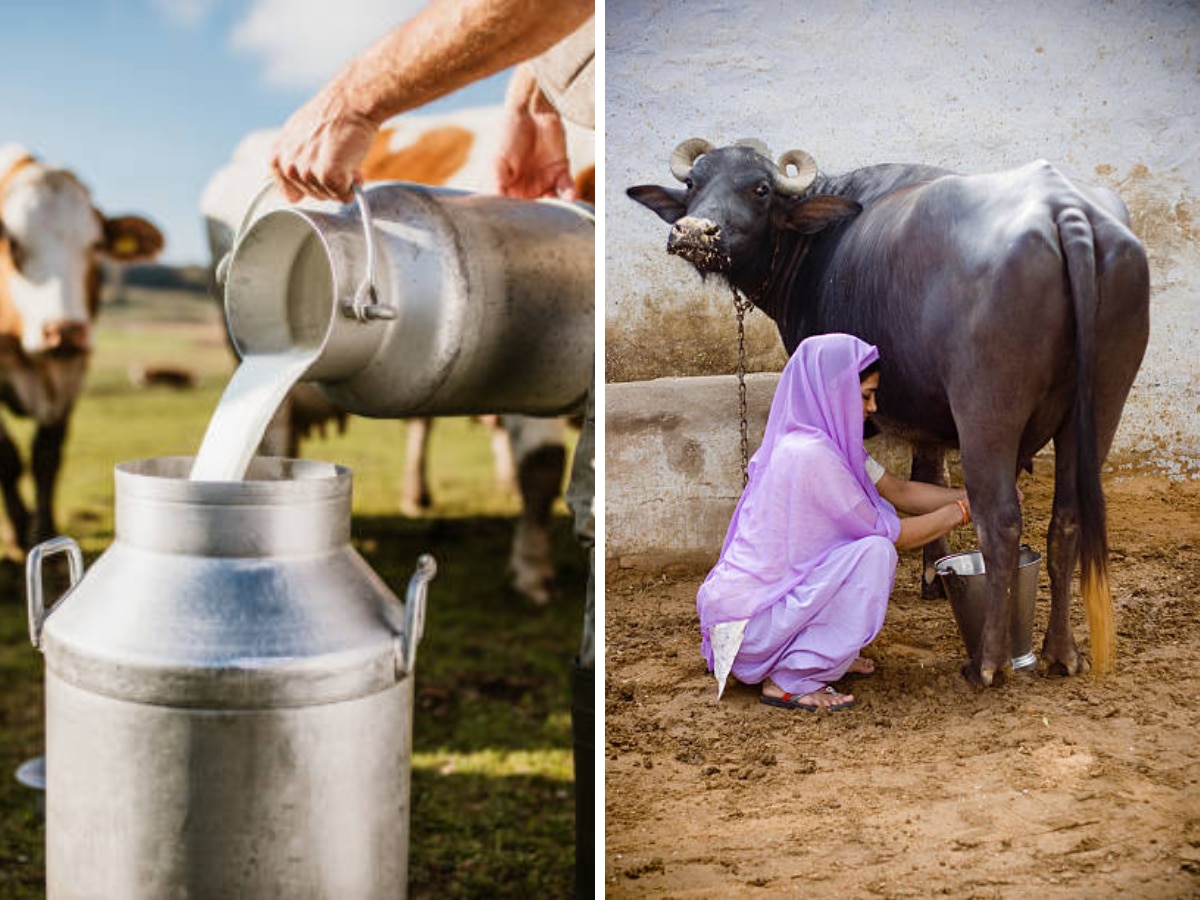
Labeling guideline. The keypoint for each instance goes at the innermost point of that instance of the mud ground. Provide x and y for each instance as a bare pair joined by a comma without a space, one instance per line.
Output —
1043,787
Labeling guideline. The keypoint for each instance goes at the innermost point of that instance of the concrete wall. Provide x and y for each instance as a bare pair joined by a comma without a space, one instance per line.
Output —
674,464
1109,91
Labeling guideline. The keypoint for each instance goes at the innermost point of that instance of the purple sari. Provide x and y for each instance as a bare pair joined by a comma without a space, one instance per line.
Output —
804,575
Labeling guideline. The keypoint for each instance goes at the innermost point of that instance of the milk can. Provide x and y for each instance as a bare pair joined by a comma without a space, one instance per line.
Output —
423,301
229,695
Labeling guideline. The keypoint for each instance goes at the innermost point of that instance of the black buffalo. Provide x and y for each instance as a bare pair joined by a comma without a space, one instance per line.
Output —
1010,310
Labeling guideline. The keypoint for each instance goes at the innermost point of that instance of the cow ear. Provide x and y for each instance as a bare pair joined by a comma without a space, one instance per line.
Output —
131,239
814,214
667,203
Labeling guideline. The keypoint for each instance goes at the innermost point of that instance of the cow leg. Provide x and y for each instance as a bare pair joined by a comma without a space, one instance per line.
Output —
504,470
46,462
929,466
280,438
540,454
415,497
992,487
10,477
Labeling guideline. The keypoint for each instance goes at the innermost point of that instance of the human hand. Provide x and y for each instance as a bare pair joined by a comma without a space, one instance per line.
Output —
321,148
532,162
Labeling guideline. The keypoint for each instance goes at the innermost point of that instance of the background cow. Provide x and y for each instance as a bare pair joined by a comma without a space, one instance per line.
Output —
51,242
456,150
1009,309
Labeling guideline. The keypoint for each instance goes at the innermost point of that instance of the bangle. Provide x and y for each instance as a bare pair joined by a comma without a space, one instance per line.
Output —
965,514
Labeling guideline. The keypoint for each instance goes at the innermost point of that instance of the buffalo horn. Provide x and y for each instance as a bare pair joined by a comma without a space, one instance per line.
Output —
685,154
806,172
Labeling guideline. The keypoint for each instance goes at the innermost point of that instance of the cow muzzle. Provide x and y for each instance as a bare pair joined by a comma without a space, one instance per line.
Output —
699,241
66,337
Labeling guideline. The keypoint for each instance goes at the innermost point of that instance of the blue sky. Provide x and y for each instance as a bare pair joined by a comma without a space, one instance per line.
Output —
145,99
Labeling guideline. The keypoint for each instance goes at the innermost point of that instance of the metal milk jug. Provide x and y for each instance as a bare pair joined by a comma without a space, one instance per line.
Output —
423,301
229,695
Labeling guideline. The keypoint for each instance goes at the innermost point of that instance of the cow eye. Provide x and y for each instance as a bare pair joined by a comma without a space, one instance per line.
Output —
762,189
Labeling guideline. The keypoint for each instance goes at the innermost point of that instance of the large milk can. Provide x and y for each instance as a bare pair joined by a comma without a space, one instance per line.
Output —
229,695
423,301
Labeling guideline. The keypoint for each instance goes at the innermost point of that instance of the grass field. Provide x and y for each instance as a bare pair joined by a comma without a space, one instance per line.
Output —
493,788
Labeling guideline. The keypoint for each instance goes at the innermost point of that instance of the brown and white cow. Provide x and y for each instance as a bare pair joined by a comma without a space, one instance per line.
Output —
456,150
52,240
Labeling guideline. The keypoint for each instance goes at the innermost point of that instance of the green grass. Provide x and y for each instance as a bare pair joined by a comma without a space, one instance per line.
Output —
492,768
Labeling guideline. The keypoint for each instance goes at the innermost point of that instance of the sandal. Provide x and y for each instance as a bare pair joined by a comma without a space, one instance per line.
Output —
793,701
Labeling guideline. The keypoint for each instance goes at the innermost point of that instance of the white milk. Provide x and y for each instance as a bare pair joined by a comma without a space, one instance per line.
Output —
246,408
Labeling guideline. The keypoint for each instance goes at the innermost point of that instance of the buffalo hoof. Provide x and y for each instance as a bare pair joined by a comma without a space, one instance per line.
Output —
1076,664
931,586
986,676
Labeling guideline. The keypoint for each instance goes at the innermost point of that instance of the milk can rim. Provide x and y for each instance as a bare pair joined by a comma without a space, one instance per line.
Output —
166,477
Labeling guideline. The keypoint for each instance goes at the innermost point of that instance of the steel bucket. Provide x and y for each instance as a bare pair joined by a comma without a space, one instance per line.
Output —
962,575
229,694
423,301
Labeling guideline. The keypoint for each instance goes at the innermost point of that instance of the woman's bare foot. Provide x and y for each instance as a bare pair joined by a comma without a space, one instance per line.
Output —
861,666
824,698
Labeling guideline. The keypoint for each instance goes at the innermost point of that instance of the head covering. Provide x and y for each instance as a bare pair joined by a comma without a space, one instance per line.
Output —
819,393
808,491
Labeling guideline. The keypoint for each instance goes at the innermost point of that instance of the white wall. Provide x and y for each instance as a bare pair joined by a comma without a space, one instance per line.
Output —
1109,91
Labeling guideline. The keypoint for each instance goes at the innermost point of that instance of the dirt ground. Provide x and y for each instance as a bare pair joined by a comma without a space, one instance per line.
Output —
928,787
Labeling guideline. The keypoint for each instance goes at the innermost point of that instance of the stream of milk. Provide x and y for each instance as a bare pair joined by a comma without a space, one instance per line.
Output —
241,418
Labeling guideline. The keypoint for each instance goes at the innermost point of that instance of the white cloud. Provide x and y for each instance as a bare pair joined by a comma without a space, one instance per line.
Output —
302,43
185,13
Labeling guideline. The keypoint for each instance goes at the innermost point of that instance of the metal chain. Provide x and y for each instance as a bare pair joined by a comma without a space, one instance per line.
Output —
742,305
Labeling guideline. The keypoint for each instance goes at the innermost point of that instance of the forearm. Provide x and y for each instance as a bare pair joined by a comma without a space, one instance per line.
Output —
917,531
448,46
917,498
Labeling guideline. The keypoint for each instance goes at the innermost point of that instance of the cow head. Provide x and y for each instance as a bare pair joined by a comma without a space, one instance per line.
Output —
50,240
734,203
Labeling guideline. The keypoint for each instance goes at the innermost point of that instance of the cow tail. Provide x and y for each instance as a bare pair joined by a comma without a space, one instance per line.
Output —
1075,233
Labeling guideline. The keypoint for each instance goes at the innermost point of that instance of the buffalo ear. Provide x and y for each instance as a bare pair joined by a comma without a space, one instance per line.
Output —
667,203
814,214
131,239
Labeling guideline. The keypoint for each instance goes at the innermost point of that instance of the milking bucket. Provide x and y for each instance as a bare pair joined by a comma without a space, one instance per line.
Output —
423,301
229,694
963,577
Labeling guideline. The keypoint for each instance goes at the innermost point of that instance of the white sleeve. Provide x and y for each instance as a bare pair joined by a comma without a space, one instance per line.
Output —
874,470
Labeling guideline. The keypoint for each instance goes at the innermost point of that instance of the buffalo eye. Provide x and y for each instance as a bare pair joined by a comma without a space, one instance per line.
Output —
762,189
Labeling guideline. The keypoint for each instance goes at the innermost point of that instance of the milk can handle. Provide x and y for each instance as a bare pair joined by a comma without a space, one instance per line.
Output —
221,273
366,305
414,609
33,581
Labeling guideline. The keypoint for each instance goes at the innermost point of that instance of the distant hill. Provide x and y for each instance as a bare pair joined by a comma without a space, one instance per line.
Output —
177,278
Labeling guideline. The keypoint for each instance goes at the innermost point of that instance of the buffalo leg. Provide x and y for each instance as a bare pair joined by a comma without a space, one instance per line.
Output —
992,488
46,462
929,466
1060,655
